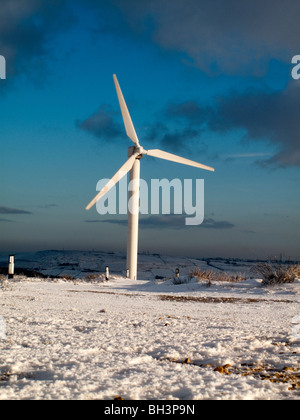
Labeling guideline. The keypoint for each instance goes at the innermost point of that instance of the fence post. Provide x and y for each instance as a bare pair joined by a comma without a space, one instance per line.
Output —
11,266
2,67
107,273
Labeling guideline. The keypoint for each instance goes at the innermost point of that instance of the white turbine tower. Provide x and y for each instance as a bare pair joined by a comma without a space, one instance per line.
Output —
135,153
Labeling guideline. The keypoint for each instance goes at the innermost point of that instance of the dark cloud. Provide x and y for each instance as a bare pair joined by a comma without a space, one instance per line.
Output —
233,37
8,210
212,224
265,116
122,222
179,139
174,221
251,232
186,121
47,206
102,124
26,30
170,221
217,36
192,119
268,116
151,222
5,220
189,110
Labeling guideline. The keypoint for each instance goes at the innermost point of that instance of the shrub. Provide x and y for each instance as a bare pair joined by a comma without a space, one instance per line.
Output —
274,273
3,282
211,276
296,270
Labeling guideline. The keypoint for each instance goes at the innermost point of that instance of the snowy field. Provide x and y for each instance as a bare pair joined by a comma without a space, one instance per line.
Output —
148,339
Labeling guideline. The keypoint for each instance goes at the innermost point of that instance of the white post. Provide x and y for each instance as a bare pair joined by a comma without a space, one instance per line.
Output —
11,266
133,219
107,273
2,67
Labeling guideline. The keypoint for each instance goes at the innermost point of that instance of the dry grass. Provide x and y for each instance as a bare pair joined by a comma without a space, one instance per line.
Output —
3,282
275,273
296,270
211,276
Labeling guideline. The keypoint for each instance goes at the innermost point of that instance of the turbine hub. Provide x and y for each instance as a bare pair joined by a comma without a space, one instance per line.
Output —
136,149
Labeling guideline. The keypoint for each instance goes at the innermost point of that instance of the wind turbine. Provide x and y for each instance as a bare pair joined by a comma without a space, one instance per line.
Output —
135,153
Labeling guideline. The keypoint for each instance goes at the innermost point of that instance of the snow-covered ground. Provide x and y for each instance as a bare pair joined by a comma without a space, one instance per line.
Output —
148,339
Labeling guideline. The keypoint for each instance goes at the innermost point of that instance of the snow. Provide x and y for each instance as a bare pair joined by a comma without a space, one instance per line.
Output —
148,339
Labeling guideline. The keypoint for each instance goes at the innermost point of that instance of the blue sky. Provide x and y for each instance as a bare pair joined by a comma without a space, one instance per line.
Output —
207,80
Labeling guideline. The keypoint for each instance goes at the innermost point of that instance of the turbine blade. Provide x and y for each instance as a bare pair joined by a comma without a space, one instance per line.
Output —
130,131
169,156
114,180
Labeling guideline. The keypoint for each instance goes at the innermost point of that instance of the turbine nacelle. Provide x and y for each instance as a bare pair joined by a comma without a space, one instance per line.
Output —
136,150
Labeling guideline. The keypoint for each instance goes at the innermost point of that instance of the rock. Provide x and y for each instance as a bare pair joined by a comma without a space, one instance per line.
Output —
222,369
219,369
286,368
